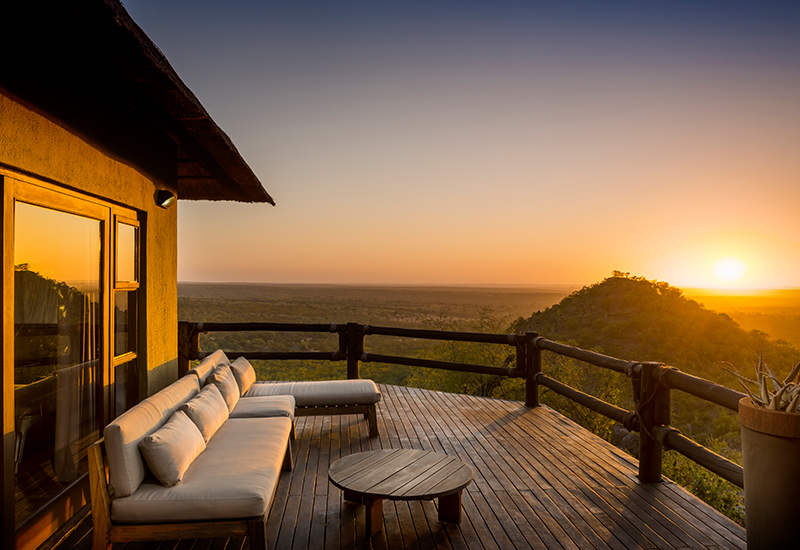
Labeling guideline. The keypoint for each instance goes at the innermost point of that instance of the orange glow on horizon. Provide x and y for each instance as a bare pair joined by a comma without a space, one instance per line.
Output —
726,260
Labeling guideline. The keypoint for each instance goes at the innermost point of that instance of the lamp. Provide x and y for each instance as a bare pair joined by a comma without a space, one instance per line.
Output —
165,198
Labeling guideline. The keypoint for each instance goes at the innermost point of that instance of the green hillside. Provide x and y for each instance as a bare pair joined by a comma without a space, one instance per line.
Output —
636,319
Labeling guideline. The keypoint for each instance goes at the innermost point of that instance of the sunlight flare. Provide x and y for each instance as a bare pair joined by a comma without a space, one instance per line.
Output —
729,269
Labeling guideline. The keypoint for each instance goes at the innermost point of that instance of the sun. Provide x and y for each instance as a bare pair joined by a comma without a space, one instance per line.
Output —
729,269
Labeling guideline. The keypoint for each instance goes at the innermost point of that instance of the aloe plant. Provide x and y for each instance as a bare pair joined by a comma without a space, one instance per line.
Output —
784,397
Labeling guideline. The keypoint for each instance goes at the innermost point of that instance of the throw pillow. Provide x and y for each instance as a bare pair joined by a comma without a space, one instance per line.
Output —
244,373
207,410
223,379
172,448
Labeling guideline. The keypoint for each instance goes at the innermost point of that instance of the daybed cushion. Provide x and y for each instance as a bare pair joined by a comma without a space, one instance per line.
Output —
122,436
207,410
234,477
170,449
204,369
223,379
244,373
264,406
325,393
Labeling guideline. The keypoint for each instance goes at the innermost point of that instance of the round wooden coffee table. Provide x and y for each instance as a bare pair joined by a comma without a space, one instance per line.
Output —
401,474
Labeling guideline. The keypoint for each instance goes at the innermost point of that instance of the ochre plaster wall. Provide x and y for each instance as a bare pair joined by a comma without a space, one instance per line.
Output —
41,148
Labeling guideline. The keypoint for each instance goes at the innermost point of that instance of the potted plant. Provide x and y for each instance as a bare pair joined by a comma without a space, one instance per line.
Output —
770,420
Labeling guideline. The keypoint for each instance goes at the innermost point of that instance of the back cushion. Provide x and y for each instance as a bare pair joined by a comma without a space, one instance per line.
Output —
223,379
207,410
244,373
204,369
172,448
176,394
122,436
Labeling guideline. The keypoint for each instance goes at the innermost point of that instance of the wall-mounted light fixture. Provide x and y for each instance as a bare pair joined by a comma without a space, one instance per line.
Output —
165,198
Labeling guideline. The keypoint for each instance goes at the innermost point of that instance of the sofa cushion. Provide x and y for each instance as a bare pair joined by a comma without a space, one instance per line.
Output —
223,379
204,369
324,393
170,449
264,406
169,399
207,410
235,477
244,373
123,434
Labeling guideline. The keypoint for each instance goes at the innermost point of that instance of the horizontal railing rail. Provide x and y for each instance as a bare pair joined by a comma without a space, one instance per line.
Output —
591,357
283,355
447,335
623,416
702,388
651,382
445,365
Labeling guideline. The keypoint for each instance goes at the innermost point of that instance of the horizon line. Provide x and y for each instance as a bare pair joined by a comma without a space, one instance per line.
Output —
715,289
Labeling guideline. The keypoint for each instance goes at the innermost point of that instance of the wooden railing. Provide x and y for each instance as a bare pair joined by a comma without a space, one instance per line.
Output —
651,382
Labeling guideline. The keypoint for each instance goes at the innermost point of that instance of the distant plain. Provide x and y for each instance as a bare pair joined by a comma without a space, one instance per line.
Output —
775,312
406,306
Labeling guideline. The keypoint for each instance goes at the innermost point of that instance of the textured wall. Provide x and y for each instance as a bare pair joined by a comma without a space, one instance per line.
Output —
42,148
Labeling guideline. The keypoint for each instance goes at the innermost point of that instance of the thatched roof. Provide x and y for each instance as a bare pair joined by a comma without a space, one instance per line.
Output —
104,42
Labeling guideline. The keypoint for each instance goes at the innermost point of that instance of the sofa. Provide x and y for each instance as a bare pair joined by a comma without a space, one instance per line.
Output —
323,397
202,457
194,460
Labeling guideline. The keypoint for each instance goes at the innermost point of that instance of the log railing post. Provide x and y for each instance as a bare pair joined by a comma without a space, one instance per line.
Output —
653,410
188,345
533,366
355,347
342,332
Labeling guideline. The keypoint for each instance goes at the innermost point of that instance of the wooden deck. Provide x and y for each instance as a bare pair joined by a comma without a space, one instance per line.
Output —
540,482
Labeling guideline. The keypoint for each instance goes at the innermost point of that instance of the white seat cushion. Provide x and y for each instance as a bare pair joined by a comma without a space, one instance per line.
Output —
323,393
264,406
235,477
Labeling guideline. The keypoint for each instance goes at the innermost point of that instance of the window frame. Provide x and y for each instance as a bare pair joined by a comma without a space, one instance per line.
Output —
127,288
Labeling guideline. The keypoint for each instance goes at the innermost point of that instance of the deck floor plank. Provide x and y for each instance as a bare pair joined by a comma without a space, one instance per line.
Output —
540,481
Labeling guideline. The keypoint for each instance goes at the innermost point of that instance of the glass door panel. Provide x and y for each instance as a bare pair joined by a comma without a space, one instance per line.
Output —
127,253
125,322
57,349
126,385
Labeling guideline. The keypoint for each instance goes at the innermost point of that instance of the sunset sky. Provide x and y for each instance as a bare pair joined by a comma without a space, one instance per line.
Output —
503,142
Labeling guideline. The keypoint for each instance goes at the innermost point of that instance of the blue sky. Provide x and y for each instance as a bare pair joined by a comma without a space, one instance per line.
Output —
495,143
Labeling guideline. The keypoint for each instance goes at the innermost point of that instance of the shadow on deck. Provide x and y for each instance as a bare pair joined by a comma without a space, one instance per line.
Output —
540,481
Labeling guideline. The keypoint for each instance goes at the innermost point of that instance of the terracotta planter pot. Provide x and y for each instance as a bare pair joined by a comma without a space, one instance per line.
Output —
771,453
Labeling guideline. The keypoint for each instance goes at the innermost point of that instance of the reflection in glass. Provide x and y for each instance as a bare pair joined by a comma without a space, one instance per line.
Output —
126,253
56,350
124,322
126,386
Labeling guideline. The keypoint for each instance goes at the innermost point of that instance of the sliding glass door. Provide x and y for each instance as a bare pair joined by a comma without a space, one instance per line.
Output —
73,264
57,335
